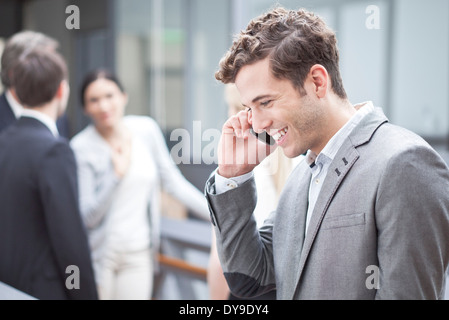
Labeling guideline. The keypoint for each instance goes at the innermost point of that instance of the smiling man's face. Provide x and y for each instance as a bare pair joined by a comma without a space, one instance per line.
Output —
295,121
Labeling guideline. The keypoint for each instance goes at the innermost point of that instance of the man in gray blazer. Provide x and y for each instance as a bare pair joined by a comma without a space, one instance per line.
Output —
364,216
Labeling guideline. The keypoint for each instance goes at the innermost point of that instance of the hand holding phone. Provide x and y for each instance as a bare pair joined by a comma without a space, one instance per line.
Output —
264,137
240,151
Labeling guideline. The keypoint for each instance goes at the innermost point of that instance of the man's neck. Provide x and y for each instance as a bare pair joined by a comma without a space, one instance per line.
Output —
49,109
14,103
339,113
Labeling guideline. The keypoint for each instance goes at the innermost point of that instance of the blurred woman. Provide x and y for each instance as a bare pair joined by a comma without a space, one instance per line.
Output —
123,161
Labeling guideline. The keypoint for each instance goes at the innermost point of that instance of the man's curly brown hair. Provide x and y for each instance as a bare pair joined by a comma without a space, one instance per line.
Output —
294,41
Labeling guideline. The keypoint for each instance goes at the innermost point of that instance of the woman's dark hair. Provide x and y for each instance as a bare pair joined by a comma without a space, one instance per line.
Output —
95,75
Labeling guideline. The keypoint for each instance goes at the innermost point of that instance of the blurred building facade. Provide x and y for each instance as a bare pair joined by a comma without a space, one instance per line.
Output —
394,52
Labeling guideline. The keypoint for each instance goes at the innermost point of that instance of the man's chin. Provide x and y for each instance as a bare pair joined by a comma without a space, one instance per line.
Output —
293,153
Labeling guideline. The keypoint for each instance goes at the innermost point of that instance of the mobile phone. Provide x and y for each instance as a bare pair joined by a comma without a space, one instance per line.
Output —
264,137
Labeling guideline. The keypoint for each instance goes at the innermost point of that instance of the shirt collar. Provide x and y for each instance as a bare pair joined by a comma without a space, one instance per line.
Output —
46,120
15,105
334,144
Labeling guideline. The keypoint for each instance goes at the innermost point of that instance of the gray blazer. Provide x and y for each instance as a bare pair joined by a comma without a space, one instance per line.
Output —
379,230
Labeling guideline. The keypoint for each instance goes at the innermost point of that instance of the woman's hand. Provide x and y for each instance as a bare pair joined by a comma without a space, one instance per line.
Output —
121,156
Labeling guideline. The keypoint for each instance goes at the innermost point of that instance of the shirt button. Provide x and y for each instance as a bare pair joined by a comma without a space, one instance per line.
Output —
232,185
317,181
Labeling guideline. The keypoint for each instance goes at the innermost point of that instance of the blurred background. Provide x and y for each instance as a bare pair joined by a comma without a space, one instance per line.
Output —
166,53
393,52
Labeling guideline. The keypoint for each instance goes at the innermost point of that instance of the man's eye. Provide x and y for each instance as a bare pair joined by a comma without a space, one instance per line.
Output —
265,103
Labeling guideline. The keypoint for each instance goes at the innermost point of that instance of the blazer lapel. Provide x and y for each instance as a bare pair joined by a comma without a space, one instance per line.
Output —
292,229
338,169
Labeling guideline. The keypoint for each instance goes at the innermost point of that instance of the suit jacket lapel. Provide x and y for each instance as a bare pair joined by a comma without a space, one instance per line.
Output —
338,169
294,228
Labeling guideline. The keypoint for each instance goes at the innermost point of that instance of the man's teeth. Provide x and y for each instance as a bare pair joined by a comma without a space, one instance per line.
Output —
280,134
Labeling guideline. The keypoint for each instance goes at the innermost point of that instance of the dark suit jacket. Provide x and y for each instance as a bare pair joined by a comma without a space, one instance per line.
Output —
41,231
7,118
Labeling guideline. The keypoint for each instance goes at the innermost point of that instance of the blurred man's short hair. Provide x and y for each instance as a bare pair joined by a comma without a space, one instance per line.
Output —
17,45
37,76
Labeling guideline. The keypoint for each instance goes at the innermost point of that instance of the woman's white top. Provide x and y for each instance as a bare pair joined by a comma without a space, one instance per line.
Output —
124,214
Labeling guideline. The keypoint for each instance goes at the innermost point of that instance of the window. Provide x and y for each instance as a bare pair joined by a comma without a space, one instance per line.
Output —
2,46
167,53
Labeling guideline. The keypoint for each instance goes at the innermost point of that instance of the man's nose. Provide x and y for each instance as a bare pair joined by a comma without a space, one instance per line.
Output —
260,123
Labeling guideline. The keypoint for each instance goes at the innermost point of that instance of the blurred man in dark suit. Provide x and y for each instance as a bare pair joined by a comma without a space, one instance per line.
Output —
10,108
43,244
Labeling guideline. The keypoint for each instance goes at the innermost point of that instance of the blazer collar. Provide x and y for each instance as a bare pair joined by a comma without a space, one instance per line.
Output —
345,158
364,131
43,118
35,124
6,114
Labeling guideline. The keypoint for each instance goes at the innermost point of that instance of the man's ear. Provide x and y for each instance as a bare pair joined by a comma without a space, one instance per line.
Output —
63,89
320,79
